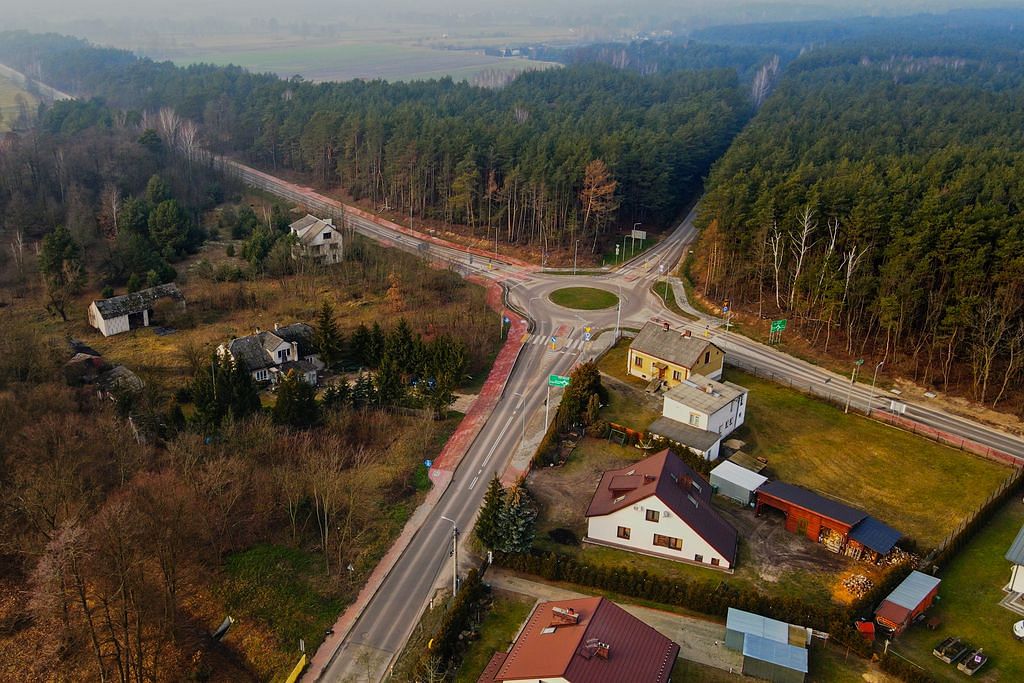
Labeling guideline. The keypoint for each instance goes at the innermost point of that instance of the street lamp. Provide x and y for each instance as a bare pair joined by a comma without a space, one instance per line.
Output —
871,396
632,239
853,378
618,312
574,255
455,555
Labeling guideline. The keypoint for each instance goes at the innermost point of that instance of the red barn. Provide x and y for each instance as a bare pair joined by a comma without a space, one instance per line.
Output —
839,527
908,600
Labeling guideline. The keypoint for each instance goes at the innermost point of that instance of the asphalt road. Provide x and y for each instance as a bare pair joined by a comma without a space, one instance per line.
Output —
385,625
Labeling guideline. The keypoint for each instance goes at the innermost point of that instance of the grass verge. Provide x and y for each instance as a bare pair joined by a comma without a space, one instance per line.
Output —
584,298
506,614
664,291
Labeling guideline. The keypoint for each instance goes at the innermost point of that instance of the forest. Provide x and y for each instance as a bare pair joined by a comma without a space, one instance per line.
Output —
555,156
875,201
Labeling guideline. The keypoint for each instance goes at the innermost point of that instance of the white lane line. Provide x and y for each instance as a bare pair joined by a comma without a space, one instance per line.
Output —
473,483
497,440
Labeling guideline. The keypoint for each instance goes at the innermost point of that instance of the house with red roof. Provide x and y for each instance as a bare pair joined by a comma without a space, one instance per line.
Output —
660,506
586,640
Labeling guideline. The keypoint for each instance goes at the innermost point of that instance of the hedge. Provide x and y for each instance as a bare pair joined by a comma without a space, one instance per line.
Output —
446,639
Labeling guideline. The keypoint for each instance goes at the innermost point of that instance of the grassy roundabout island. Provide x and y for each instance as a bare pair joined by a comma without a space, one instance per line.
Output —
584,298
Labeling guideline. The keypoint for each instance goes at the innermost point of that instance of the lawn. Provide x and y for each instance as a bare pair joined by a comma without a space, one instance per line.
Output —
668,296
613,363
919,487
969,605
584,298
497,630
630,407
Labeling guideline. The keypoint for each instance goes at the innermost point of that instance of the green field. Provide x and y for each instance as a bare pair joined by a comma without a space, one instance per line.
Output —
584,298
969,606
919,487
319,60
8,105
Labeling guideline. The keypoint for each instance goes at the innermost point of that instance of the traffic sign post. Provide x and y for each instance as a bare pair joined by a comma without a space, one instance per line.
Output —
553,381
776,331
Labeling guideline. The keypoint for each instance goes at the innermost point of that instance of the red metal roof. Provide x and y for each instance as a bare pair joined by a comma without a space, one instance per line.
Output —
675,484
636,652
893,614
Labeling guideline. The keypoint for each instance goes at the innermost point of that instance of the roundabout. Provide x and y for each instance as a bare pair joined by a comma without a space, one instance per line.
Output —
583,298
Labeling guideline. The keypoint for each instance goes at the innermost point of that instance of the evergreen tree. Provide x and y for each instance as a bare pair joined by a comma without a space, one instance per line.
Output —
296,402
390,389
157,190
400,345
517,521
245,398
327,337
359,347
60,261
168,228
221,389
488,523
363,393
337,396
375,348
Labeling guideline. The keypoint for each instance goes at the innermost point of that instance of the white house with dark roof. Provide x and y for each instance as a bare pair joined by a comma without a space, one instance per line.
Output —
660,506
267,357
699,412
130,311
317,239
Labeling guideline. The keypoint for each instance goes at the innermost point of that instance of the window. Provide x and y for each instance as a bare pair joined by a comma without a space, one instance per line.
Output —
638,361
623,532
695,419
327,235
715,562
698,558
668,542
653,516
677,376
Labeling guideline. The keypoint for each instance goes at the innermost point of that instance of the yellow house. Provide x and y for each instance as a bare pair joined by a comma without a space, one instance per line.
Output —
659,352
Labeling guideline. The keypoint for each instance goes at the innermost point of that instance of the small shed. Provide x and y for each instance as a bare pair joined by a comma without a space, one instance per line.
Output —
131,311
774,661
908,600
736,482
1015,555
772,650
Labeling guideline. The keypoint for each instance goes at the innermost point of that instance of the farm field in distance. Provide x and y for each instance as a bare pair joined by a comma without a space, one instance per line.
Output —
345,59
8,107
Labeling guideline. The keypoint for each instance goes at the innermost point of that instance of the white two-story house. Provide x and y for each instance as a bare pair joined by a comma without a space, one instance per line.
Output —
662,507
699,412
317,239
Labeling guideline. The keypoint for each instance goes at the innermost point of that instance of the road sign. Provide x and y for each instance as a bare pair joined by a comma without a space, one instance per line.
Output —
558,381
554,339
639,234
428,463
778,325
725,309
897,408
587,328
506,320
586,336
616,250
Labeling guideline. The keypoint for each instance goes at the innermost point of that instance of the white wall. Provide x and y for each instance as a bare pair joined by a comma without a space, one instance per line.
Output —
1016,578
681,413
107,327
605,528
724,421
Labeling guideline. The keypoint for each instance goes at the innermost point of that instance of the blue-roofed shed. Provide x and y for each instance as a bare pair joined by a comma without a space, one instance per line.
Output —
774,661
875,535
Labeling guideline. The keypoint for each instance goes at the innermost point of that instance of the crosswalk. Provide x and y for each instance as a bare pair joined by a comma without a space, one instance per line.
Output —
561,345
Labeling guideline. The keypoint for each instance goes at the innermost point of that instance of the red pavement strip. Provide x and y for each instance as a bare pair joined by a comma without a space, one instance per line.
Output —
440,476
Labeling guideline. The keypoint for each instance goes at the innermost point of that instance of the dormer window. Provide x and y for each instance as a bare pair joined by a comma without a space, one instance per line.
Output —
327,234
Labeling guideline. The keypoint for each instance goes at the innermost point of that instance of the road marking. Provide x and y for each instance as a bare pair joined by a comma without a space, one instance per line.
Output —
473,483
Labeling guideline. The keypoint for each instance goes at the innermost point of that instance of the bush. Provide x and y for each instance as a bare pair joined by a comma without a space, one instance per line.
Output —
563,536
229,250
903,670
446,640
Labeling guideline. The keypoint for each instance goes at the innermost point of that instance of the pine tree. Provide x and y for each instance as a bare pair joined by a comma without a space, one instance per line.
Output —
399,345
390,389
245,397
327,338
296,402
517,521
488,523
375,349
359,348
363,393
337,396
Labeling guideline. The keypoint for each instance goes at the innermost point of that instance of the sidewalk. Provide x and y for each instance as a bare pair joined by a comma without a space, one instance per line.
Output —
440,476
699,640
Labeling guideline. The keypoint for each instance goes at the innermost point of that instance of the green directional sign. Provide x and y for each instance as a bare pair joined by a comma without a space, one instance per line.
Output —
558,381
778,325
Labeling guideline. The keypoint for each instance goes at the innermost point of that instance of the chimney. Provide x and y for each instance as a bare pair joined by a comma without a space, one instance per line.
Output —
666,326
602,650
709,389
295,351
686,333
276,327
564,616
257,330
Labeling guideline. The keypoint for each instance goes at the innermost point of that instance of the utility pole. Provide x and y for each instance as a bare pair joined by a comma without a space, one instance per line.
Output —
574,255
874,377
853,378
618,314
454,554
632,239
